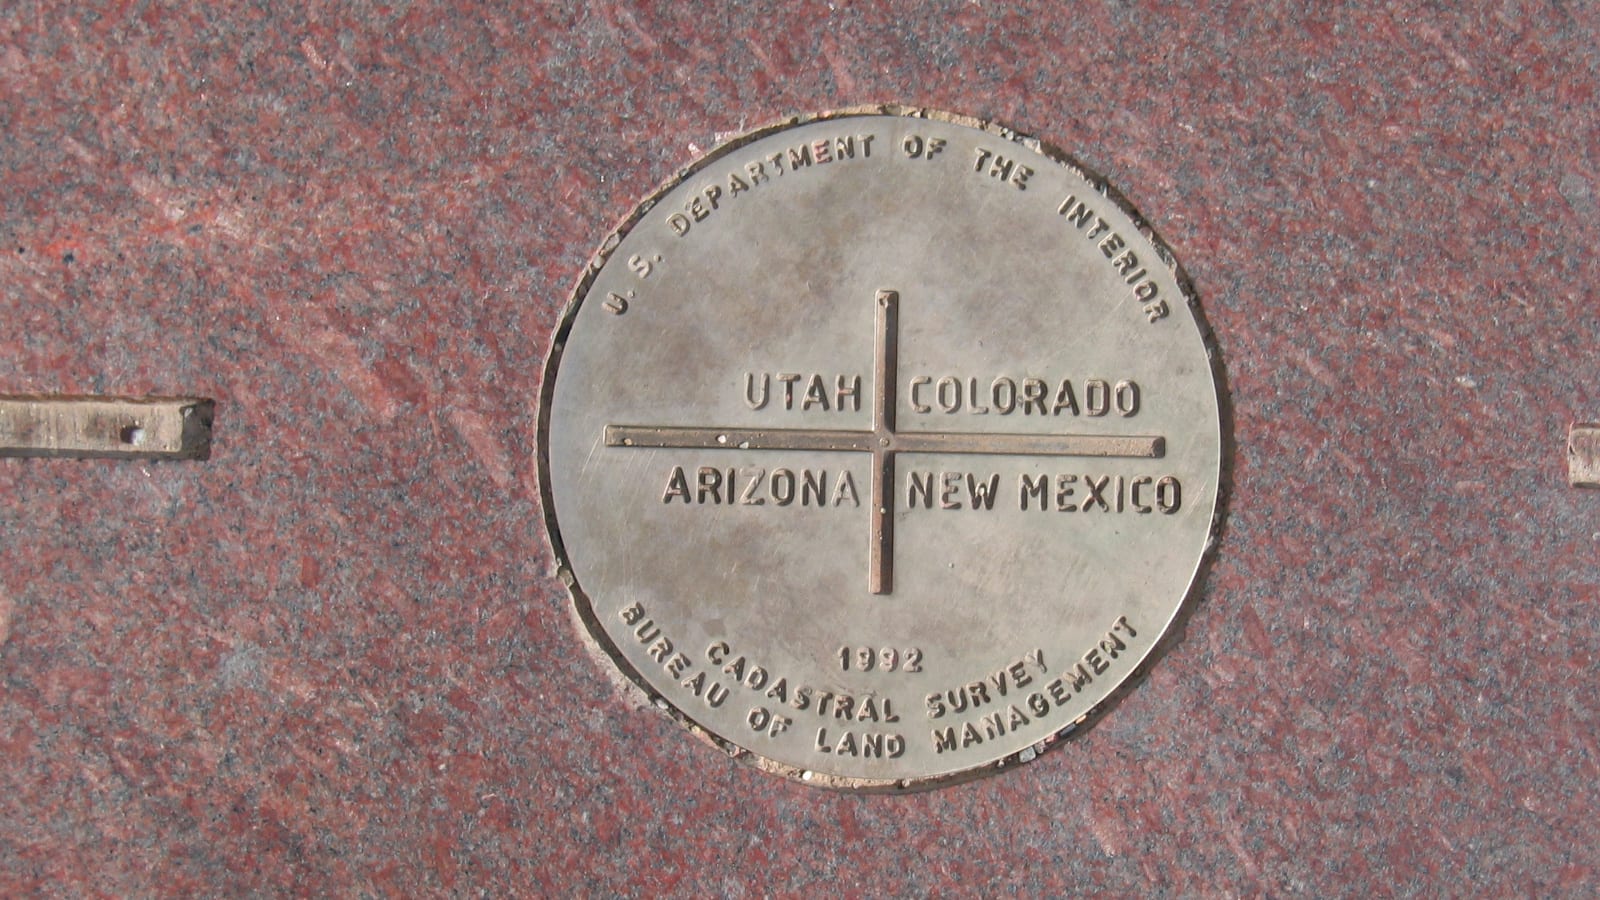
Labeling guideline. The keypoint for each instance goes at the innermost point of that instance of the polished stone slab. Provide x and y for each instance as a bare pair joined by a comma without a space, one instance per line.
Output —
333,659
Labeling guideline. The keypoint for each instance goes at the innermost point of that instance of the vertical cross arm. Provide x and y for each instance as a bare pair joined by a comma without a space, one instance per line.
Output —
885,359
880,524
880,538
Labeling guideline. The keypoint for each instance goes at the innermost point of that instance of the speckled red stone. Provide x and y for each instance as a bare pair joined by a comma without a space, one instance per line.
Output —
332,659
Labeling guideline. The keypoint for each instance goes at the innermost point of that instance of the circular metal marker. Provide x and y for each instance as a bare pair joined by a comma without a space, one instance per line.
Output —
881,447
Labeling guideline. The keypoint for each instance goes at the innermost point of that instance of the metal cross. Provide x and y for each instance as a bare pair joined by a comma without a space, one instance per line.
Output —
884,443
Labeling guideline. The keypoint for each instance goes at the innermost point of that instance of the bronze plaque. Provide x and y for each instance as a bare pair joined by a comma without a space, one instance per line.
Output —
880,447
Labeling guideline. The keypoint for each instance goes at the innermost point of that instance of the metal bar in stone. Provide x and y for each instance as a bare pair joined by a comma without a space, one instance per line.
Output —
826,440
105,427
1583,456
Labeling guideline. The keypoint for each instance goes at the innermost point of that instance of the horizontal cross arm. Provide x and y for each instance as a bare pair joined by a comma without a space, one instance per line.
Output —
1132,446
739,438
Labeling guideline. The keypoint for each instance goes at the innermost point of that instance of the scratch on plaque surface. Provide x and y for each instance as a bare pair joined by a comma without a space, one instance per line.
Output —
599,439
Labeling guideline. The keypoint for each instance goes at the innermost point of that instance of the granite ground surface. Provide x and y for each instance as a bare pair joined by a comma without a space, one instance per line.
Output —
333,658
